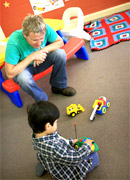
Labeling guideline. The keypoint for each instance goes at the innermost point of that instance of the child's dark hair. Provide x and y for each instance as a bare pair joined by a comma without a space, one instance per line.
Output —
41,113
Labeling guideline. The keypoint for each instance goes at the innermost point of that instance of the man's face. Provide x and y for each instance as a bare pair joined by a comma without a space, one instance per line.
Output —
35,40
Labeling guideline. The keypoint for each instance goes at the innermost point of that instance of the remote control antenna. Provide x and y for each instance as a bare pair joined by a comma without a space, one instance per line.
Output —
75,130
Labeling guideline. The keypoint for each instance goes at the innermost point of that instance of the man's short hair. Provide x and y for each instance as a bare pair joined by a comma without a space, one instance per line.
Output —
40,113
33,23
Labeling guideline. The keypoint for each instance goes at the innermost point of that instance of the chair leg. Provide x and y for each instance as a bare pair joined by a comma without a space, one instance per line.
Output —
82,53
62,36
14,97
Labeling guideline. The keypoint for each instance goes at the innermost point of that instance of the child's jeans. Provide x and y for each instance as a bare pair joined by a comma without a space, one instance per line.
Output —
95,160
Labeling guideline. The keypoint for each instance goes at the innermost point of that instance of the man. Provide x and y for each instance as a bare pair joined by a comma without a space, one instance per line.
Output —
33,49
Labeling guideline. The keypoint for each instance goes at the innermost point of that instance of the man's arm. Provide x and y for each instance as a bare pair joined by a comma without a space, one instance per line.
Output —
51,47
14,70
38,57
55,45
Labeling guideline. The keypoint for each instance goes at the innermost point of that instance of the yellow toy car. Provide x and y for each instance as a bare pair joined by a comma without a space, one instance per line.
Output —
73,110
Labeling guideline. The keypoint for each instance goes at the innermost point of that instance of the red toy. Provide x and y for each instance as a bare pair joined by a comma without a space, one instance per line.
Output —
100,106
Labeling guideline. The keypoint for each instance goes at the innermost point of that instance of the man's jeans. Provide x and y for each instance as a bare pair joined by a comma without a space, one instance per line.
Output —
58,76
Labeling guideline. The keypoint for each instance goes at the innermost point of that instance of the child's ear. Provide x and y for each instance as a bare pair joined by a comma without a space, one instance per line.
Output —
47,126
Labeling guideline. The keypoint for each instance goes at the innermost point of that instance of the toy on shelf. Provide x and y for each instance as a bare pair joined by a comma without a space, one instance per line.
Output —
73,110
53,1
38,8
94,146
100,106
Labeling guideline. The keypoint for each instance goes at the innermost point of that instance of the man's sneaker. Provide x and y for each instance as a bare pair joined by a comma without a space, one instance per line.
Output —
68,91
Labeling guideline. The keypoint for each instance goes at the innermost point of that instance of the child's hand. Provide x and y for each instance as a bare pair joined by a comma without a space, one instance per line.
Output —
75,141
89,142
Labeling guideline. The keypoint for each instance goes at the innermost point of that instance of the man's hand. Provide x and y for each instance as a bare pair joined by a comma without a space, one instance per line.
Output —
37,62
39,57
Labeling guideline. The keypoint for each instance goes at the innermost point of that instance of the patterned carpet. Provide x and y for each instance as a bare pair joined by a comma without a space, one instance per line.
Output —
109,31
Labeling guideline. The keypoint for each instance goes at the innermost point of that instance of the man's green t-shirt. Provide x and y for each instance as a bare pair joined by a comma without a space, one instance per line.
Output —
18,48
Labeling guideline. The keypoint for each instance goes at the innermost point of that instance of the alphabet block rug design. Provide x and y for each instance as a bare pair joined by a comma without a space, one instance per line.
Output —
109,31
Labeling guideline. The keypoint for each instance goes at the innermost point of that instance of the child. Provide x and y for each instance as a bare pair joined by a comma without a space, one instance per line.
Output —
56,154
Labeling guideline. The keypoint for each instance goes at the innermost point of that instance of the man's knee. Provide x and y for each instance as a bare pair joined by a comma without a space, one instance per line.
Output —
24,78
60,55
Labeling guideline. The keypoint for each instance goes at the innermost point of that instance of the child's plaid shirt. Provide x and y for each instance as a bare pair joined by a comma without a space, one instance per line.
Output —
60,158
